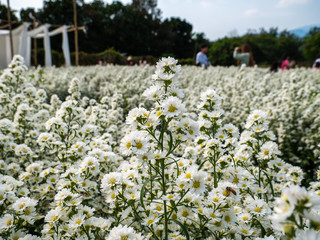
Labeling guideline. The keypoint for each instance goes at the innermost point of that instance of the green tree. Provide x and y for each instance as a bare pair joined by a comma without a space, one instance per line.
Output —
4,16
267,47
134,29
264,45
60,12
220,52
26,15
149,6
181,37
311,47
291,45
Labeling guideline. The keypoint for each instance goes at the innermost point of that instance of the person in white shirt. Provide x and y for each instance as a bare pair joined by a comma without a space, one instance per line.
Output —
316,62
202,59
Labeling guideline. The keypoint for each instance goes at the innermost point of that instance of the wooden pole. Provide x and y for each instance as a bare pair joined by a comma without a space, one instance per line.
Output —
7,25
76,31
35,44
10,27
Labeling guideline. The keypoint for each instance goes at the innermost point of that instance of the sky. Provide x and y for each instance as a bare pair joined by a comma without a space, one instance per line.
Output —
219,18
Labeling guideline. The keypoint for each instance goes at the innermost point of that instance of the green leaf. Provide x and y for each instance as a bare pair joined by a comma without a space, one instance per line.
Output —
170,142
173,204
142,193
185,231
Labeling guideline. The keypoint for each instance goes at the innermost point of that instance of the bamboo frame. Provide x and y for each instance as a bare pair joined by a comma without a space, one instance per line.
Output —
35,44
10,28
7,25
75,31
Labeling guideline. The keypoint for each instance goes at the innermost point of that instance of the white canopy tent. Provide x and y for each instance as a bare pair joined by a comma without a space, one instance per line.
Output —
22,43
19,45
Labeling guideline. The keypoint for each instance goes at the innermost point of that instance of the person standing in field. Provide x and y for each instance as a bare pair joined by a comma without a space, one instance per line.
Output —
286,63
274,66
202,59
316,64
244,55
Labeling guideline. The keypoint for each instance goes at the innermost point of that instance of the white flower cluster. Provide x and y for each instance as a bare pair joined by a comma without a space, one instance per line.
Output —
290,98
78,169
52,159
297,208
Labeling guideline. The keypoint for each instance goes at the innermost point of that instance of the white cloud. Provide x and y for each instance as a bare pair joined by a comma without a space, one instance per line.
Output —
287,3
206,4
251,12
110,1
18,4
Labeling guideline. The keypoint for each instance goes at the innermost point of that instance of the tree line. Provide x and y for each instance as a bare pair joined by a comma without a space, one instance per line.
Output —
137,29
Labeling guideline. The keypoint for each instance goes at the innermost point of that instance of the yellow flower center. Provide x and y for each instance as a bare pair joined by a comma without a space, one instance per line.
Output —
21,205
217,223
245,218
185,214
78,221
245,231
226,193
172,108
215,199
196,184
139,145
112,181
257,209
188,175
235,180
8,222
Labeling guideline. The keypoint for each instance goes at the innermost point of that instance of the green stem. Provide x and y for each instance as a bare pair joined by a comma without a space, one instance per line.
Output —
150,174
164,201
259,174
215,171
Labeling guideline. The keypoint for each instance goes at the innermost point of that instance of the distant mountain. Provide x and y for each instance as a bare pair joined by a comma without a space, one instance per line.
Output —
303,31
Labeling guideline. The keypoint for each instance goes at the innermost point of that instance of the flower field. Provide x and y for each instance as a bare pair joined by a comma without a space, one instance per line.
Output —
163,152
290,99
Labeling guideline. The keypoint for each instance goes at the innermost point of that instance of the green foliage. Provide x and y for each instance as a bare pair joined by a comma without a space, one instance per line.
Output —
187,61
267,47
110,56
137,29
57,57
181,37
4,15
149,6
25,14
311,48
220,52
